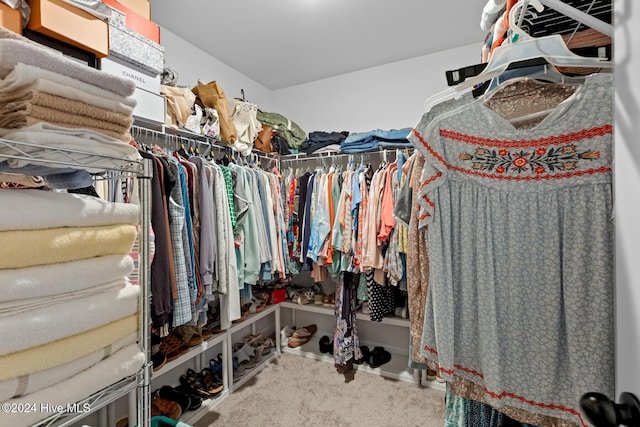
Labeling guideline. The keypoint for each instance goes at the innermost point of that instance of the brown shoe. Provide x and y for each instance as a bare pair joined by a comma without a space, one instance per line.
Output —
168,408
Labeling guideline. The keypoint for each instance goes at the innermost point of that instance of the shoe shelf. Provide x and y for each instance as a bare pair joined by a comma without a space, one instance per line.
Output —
191,417
192,353
392,334
238,331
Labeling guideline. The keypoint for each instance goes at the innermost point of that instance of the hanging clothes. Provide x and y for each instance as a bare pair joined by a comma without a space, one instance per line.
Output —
520,245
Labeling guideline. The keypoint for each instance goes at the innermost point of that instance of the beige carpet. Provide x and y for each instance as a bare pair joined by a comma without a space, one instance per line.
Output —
295,391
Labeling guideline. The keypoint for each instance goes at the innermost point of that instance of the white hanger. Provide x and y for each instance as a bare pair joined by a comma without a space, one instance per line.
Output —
551,48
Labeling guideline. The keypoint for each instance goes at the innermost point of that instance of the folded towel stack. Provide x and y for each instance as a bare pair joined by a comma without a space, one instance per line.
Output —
66,305
51,100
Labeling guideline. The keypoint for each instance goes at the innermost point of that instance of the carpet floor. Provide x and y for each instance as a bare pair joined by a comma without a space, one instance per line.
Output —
296,391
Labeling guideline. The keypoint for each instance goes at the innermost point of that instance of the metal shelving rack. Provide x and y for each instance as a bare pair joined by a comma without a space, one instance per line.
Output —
142,170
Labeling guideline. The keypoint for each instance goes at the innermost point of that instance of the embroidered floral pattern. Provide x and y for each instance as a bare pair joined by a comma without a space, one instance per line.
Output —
538,160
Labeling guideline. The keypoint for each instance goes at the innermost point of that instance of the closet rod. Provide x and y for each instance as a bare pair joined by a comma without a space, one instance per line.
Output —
580,16
324,156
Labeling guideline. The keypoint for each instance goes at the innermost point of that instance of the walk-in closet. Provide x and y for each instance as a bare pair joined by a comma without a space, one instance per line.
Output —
319,213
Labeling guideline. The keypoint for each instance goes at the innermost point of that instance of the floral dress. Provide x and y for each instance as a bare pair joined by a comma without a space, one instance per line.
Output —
519,227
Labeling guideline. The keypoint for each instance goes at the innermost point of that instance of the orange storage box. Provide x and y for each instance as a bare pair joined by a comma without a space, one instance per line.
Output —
141,7
69,24
135,22
10,18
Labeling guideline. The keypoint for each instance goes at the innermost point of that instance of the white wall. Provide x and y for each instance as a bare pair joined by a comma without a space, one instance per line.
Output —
192,64
627,195
390,96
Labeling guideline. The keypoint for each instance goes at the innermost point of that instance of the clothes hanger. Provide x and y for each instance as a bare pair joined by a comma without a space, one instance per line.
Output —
526,51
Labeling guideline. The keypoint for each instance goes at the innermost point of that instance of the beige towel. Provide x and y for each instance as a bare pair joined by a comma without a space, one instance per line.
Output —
24,75
121,364
39,380
25,248
18,100
64,350
18,116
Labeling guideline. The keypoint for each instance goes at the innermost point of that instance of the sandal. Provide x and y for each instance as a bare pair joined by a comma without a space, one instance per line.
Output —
265,345
238,371
172,347
188,334
194,382
168,408
302,336
213,384
257,305
181,398
196,401
215,365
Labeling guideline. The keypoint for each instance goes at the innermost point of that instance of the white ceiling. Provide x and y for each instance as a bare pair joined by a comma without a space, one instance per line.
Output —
281,43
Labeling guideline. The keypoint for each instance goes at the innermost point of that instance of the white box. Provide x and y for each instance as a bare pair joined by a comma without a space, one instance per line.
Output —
151,107
143,79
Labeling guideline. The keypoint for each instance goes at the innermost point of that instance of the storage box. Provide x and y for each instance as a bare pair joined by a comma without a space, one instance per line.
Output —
69,24
135,22
136,49
141,7
10,18
278,295
142,78
150,108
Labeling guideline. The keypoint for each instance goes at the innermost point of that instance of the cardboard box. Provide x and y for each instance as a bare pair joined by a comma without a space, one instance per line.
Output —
136,22
69,24
141,7
10,18
134,48
142,78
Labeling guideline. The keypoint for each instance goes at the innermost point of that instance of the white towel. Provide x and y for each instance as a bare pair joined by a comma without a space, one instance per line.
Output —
54,322
122,364
35,381
63,277
13,52
38,209
85,140
12,308
57,84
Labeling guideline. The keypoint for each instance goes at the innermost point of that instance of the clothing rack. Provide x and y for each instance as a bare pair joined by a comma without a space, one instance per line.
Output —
373,157
171,139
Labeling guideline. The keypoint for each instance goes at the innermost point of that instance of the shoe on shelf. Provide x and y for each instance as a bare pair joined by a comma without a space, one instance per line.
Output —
212,383
196,401
181,398
326,345
318,299
168,408
302,336
238,371
285,334
431,375
365,355
378,357
438,377
365,308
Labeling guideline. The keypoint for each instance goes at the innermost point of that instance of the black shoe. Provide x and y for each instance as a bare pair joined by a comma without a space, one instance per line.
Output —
174,395
378,357
326,345
196,401
365,355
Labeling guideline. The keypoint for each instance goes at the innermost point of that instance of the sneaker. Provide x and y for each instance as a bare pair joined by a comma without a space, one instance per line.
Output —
365,308
285,334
